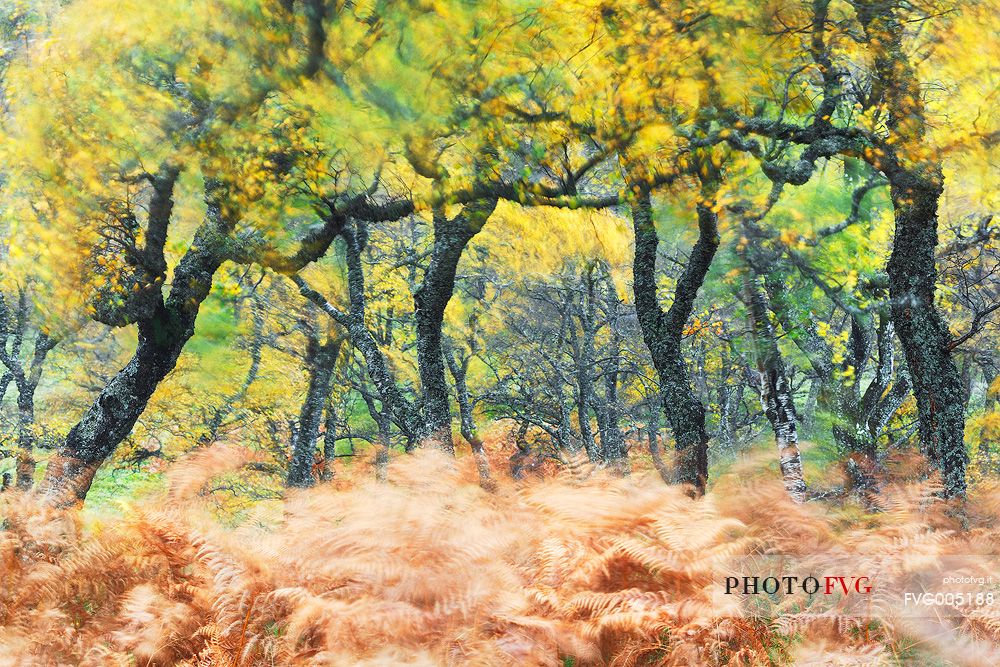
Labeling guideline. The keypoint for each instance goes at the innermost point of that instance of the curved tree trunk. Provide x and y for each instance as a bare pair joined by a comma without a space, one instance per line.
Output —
916,184
663,331
924,334
450,239
110,419
162,336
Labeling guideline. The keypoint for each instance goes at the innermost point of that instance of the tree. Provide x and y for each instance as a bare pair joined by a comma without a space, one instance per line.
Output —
775,389
23,369
663,331
881,116
195,111
320,358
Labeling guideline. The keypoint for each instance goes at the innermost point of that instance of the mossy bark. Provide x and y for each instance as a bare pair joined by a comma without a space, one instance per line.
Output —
663,332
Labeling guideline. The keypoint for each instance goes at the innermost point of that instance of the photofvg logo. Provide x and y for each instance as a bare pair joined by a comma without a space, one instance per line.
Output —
771,586
791,585
873,586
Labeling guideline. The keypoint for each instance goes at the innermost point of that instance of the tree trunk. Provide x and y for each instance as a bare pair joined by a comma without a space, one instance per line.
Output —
730,396
922,331
382,439
566,440
162,336
25,464
329,441
775,391
916,184
321,360
584,354
519,459
25,376
612,438
985,451
27,384
459,372
111,418
400,409
859,418
663,332
430,299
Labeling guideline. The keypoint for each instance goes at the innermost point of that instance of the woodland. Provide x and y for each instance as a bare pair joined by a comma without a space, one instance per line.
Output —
445,332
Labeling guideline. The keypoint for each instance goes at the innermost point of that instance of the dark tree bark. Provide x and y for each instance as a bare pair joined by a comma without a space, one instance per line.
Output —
916,184
25,465
566,440
775,390
321,358
162,336
663,332
25,376
401,411
329,440
923,332
451,236
430,421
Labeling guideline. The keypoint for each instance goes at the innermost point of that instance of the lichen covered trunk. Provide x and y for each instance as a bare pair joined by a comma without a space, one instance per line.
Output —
459,372
111,417
663,332
162,336
321,361
430,300
400,410
916,184
25,459
937,383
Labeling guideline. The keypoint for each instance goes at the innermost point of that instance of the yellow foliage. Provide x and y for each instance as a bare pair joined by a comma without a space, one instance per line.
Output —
538,240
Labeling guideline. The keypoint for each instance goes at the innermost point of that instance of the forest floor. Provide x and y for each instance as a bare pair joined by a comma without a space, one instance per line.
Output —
574,567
